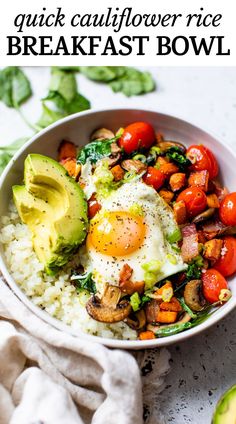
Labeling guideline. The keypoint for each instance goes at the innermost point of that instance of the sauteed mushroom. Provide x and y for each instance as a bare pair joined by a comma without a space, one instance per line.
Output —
204,215
132,165
109,308
165,145
136,321
193,297
102,134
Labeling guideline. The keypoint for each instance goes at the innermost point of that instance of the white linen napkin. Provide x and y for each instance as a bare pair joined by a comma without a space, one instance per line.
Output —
48,377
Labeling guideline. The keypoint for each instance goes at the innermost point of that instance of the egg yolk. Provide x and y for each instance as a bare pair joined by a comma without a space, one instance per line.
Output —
116,233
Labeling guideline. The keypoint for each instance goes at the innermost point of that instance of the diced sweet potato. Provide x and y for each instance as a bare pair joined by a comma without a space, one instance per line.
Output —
212,249
213,201
67,150
180,212
167,195
71,166
166,317
146,335
173,305
177,181
117,172
164,165
199,179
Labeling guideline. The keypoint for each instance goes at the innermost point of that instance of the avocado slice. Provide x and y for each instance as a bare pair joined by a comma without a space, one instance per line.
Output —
53,206
225,412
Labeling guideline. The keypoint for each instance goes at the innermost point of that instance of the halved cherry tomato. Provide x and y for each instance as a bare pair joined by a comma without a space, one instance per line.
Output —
137,135
93,206
212,284
154,177
195,200
227,209
202,159
226,264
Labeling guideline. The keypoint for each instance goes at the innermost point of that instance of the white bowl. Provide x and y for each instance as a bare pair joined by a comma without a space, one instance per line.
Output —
78,128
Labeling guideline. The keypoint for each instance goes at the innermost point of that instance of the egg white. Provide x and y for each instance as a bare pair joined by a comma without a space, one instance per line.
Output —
159,221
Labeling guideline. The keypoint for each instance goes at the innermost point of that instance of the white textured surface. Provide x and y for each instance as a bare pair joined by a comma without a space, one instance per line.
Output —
205,366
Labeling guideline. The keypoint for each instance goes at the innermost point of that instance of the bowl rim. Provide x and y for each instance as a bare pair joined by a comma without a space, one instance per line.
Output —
59,325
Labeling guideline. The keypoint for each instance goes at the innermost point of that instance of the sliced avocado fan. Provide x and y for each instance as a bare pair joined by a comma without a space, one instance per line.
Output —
53,206
225,412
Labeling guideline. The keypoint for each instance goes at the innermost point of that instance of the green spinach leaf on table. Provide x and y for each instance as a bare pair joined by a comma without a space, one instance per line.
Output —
15,87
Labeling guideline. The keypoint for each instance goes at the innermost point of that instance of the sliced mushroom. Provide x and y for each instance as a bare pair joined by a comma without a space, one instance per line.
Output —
152,308
113,159
185,318
102,134
193,295
132,165
228,231
165,145
136,321
204,215
109,308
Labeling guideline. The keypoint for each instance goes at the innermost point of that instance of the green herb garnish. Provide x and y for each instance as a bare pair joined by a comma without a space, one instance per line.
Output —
177,156
84,282
95,150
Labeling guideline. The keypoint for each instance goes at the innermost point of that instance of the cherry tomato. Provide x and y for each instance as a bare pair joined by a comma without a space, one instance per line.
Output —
227,209
93,206
154,177
226,264
137,135
212,284
195,200
203,159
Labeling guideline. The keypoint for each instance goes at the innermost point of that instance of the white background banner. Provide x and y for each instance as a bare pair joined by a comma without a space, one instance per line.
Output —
147,33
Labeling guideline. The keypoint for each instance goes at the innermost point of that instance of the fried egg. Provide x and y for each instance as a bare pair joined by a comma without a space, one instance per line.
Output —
132,227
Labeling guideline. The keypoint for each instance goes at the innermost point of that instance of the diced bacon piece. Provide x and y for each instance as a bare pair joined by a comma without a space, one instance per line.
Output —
189,248
199,179
130,287
125,273
152,309
212,249
213,228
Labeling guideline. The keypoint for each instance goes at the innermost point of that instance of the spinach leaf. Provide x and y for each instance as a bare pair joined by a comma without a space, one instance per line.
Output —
48,116
133,83
102,73
77,104
15,87
84,282
63,83
176,155
95,151
177,328
186,308
63,93
129,81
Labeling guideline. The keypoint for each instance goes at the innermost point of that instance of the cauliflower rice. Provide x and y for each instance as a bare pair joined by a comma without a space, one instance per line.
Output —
55,294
